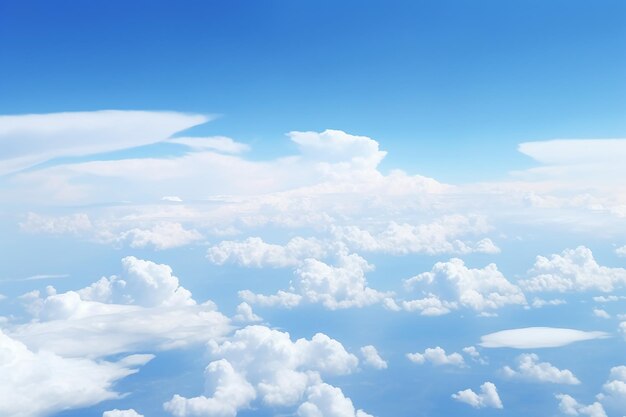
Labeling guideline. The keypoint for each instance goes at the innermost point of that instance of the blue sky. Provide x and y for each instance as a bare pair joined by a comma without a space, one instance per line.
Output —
312,209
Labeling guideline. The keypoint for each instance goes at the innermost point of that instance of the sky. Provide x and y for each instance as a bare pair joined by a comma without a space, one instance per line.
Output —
312,209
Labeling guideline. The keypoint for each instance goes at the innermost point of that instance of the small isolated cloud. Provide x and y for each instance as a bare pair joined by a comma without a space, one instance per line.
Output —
538,337
573,270
569,406
372,358
621,251
121,413
528,368
214,143
245,314
598,312
172,199
437,356
540,302
488,397
474,354
478,289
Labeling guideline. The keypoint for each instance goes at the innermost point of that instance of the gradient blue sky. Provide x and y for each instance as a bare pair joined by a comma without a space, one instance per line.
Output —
502,236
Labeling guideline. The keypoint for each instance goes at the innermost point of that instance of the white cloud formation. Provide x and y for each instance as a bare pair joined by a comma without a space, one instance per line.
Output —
621,251
121,413
488,397
540,302
473,353
530,369
144,308
573,270
478,289
537,337
254,252
372,358
214,143
26,140
245,314
603,314
164,235
40,383
258,363
436,356
569,406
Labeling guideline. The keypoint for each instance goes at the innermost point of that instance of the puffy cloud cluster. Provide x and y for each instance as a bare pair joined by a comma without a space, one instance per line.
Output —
145,307
436,356
573,270
530,369
372,358
40,383
568,405
261,364
488,397
335,287
478,289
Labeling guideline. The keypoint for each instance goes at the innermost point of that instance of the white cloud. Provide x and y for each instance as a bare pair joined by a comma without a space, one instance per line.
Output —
254,252
479,289
537,337
530,369
539,302
165,235
440,236
573,270
473,353
614,389
245,314
621,251
29,139
121,413
172,199
608,298
144,308
372,358
488,397
436,356
598,312
569,406
215,143
431,305
258,363
40,383
335,287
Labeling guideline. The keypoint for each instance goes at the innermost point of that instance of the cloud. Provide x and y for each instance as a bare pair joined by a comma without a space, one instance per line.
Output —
530,369
473,353
27,140
569,406
573,270
539,302
598,312
478,289
144,308
436,356
40,383
372,358
488,397
245,314
254,252
263,365
214,143
537,337
621,251
161,236
121,413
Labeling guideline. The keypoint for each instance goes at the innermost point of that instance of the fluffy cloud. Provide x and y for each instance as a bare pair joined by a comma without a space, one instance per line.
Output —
372,358
529,368
254,252
488,397
245,314
145,307
436,356
258,363
573,270
621,251
479,289
121,413
40,383
537,337
27,140
568,405
439,236
539,302
614,389
335,287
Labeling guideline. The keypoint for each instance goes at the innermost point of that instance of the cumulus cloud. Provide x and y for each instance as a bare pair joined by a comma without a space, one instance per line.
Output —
621,251
598,312
164,235
573,270
264,365
34,138
568,405
478,289
335,287
537,337
530,369
254,252
245,314
372,358
488,397
436,356
144,307
540,302
40,383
